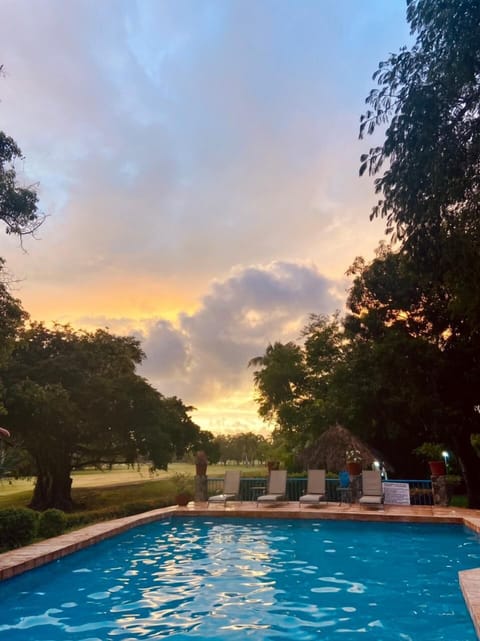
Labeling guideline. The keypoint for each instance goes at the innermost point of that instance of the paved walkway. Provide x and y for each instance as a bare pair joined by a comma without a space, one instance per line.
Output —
29,557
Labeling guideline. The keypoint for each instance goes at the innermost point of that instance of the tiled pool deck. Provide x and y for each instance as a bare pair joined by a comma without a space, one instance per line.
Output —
18,561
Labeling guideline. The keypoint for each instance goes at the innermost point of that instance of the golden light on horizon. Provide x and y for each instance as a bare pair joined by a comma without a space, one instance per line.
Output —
92,305
233,414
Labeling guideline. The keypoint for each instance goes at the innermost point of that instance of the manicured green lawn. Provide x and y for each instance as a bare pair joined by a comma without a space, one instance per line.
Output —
94,489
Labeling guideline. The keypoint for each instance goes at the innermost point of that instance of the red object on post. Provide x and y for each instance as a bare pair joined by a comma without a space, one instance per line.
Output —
354,469
437,468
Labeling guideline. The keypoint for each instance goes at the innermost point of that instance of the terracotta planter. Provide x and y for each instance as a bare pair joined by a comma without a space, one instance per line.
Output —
437,468
354,469
183,498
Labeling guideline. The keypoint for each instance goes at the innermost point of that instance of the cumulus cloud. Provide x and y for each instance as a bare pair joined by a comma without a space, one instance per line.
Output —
202,356
206,355
167,352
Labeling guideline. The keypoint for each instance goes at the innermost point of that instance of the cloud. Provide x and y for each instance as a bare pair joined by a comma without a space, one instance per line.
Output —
166,350
174,140
202,356
178,139
206,355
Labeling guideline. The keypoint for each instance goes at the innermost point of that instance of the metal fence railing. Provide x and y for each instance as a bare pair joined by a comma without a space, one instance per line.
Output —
252,487
420,490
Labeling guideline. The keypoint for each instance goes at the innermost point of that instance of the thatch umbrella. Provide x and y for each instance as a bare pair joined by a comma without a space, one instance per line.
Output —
328,451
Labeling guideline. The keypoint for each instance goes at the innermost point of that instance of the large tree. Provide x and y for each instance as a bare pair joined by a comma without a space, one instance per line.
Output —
387,371
427,173
417,380
292,381
74,399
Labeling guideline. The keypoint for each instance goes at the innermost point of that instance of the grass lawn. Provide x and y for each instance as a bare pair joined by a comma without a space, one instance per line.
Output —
94,489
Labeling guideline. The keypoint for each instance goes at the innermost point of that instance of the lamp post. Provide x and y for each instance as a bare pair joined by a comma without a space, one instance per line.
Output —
445,459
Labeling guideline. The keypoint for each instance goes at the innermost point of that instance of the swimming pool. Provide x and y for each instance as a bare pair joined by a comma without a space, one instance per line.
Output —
203,578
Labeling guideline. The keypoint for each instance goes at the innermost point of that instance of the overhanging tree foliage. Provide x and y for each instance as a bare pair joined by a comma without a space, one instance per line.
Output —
74,399
428,177
430,98
428,168
18,205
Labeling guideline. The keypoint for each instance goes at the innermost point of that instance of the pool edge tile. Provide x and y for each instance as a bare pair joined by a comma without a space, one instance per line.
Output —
470,585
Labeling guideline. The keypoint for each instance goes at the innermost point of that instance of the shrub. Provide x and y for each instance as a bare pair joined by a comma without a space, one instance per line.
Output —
80,519
430,451
183,483
18,526
136,508
52,523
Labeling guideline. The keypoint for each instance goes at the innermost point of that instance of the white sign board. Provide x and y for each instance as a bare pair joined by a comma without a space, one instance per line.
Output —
396,493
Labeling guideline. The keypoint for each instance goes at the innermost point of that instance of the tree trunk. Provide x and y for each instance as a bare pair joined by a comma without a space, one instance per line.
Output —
53,489
470,465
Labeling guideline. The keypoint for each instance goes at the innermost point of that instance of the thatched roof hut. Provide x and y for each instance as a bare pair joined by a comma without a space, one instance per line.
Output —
328,451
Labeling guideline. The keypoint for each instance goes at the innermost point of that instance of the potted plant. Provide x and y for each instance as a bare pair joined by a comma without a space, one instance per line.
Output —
432,453
354,461
183,488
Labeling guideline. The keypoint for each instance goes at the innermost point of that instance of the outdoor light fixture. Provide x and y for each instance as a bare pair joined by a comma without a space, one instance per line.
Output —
445,458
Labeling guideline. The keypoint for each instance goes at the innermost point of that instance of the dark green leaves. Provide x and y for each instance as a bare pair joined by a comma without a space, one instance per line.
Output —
18,205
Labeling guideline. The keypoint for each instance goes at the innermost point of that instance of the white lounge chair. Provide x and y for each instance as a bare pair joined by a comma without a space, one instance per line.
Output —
277,485
231,488
372,490
316,490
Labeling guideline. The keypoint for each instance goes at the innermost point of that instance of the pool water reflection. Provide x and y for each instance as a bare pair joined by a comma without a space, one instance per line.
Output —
205,578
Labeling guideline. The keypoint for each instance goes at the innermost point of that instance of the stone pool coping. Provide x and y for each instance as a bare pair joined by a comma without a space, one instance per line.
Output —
29,557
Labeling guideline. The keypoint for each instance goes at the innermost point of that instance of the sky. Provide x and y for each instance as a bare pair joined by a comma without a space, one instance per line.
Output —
197,161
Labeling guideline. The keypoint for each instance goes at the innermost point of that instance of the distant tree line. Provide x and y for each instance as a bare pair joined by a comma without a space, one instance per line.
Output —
245,448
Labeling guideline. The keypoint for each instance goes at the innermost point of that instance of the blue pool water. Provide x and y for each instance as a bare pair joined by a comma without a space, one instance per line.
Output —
235,579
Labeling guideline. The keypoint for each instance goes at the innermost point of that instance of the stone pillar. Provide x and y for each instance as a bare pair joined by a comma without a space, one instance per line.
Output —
356,486
201,492
201,481
201,463
439,490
